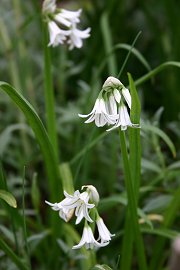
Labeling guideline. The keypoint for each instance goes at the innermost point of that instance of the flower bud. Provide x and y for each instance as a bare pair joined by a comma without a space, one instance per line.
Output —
93,194
112,82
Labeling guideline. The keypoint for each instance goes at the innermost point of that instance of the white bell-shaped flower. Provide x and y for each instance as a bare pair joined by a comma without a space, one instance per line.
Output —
76,36
57,35
99,114
123,120
104,233
93,193
88,240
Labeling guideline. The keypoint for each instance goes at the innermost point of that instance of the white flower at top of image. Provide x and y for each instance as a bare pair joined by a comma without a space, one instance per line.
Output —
123,120
93,193
71,16
57,35
88,239
49,6
99,114
76,36
104,233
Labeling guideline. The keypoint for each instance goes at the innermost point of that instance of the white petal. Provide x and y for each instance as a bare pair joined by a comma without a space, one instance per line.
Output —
127,96
117,95
90,119
59,18
113,105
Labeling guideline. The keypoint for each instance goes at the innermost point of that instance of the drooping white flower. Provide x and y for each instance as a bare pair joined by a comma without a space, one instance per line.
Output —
123,120
76,36
93,193
88,240
49,6
99,114
57,35
104,233
64,213
80,205
71,16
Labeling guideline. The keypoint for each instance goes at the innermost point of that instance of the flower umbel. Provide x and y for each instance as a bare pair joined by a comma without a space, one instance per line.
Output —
62,25
110,106
78,204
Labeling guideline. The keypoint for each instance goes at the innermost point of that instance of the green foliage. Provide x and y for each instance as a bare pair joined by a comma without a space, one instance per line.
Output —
8,197
60,152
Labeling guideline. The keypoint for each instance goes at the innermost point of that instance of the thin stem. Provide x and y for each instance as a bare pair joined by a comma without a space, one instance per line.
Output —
132,205
49,93
129,52
24,220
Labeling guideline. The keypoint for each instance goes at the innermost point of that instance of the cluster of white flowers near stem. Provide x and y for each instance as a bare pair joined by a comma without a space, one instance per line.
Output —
111,106
81,204
62,25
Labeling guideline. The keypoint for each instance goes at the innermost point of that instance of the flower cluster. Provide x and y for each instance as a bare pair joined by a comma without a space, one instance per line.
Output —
111,106
62,25
81,204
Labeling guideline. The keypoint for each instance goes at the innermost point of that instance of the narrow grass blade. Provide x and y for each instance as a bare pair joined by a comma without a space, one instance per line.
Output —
108,44
132,204
155,71
135,167
49,93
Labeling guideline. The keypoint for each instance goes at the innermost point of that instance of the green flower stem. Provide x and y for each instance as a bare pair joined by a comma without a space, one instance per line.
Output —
49,93
132,205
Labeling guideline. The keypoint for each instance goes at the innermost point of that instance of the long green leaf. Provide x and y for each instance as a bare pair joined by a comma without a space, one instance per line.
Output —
135,167
138,55
132,204
155,71
41,136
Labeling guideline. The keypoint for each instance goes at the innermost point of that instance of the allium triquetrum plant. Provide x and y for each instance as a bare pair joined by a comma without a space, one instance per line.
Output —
109,195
